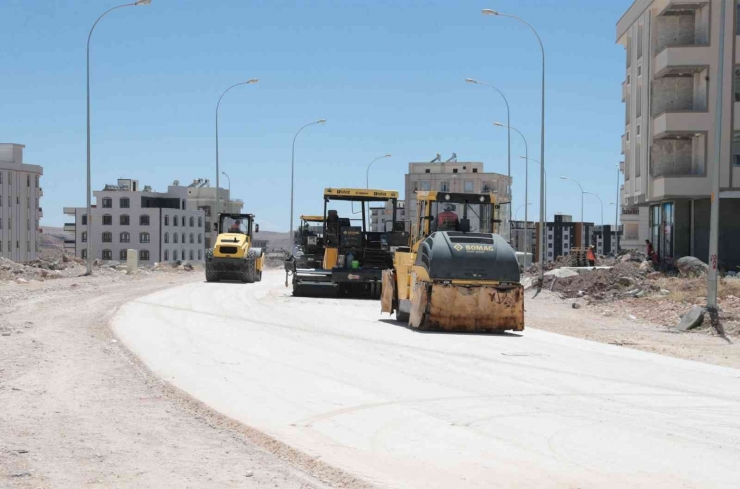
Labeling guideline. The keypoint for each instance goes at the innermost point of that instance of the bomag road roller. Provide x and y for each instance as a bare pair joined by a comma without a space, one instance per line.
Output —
352,257
233,257
458,273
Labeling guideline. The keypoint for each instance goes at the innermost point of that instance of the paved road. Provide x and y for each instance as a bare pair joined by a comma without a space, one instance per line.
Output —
403,409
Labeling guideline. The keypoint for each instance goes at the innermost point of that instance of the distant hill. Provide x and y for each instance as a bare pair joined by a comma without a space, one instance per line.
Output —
52,242
275,241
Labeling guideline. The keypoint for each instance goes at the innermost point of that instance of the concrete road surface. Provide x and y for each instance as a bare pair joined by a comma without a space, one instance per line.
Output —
399,408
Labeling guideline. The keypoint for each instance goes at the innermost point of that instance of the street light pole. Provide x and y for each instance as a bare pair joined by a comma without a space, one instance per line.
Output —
292,178
600,203
218,188
526,185
582,192
89,178
367,178
542,134
516,214
229,180
508,136
616,212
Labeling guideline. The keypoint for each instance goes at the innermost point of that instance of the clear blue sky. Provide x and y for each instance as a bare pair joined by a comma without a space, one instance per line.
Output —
386,74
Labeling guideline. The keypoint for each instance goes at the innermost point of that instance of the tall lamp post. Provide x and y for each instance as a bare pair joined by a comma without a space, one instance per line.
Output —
367,178
508,122
516,214
542,132
616,212
218,188
89,178
600,203
579,186
229,180
526,184
292,177
543,235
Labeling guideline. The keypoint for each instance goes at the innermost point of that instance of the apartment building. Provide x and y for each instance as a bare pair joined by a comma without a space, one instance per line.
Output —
562,235
604,239
453,176
381,217
202,196
162,226
669,91
20,208
520,229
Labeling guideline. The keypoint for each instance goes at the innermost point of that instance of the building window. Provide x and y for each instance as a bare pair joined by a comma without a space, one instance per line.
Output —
182,254
166,220
84,220
192,221
123,255
174,254
627,136
166,255
143,237
444,187
736,149
124,203
200,254
174,237
192,255
83,254
124,220
425,186
183,238
637,131
144,255
107,220
166,237
125,237
174,220
37,181
200,222
549,245
84,237
1,222
143,220
469,186
107,255
200,239
107,203
107,237
192,239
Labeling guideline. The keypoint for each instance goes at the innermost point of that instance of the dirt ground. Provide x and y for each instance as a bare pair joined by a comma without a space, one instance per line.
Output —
616,323
77,410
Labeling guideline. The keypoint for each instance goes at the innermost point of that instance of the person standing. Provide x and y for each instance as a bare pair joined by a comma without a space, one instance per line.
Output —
591,256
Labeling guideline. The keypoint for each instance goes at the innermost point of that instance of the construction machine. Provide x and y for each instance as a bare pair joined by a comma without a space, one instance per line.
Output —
353,258
457,273
309,243
233,257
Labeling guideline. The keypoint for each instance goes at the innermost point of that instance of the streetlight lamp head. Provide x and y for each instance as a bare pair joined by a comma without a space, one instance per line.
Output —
142,2
522,157
498,124
470,80
564,178
387,156
252,81
320,121
488,11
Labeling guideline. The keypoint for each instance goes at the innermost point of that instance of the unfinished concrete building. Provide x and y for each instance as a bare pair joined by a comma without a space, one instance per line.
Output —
669,91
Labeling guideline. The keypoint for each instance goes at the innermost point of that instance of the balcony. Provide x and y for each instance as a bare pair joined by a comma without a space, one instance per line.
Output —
680,122
69,244
684,186
624,91
70,211
41,192
681,60
41,212
69,227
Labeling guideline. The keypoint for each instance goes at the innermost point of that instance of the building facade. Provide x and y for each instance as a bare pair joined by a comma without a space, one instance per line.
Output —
669,91
162,226
20,205
202,196
604,239
380,217
453,176
562,235
518,234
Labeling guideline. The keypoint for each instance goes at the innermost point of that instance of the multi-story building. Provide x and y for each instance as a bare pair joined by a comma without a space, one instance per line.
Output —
381,216
20,211
162,226
202,196
562,235
453,176
670,88
518,235
604,239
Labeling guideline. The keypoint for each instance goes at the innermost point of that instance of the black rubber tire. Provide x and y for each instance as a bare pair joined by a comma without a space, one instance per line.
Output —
259,276
211,275
249,273
402,316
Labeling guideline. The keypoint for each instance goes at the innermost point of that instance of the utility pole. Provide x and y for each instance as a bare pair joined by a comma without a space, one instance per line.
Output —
712,280
616,214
